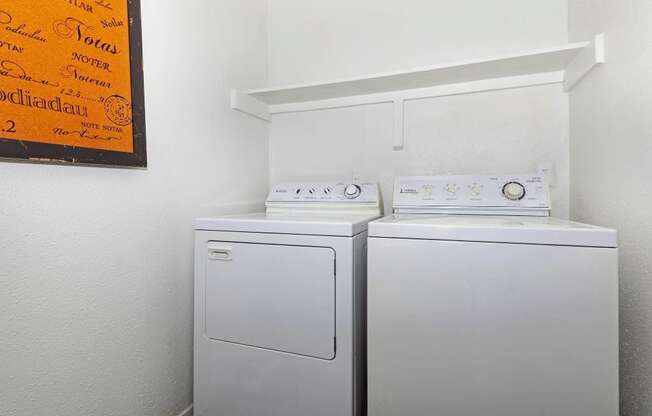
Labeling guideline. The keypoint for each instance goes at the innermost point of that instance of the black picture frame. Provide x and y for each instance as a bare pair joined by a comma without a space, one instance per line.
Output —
25,150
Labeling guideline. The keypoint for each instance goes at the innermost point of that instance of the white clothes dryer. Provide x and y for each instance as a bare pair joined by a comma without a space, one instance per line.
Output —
280,304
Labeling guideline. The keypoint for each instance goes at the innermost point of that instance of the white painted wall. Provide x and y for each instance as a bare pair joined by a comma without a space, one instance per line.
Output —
497,132
507,131
96,264
611,148
312,40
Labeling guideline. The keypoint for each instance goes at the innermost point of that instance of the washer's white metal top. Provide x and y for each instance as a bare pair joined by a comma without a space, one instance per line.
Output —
498,229
343,225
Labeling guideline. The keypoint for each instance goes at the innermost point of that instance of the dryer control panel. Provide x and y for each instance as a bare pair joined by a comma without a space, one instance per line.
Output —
497,195
325,192
324,198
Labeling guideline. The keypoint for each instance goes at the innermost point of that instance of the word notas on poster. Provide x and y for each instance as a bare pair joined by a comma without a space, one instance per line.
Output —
66,78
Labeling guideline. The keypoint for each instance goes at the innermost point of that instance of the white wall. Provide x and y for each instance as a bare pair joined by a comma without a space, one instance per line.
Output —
311,40
497,132
611,148
96,263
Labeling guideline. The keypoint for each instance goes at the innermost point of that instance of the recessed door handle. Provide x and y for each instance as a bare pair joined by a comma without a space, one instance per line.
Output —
220,253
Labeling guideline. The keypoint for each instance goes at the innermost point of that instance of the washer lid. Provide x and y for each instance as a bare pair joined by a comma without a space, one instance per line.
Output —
344,225
497,229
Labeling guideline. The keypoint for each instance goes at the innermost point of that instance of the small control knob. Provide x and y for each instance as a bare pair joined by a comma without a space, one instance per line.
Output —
452,189
476,189
352,191
514,191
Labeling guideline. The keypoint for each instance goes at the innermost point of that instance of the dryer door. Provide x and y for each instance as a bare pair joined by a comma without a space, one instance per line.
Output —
276,297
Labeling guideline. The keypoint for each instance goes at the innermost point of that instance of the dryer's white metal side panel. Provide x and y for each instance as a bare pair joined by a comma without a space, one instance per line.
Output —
237,380
360,324
200,404
463,329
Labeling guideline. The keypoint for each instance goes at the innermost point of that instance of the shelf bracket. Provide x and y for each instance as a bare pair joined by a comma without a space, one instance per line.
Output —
591,56
399,124
249,105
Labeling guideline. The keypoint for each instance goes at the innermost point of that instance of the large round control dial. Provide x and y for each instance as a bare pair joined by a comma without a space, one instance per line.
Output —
352,191
514,191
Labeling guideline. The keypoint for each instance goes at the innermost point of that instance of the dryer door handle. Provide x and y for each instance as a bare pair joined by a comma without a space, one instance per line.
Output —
221,253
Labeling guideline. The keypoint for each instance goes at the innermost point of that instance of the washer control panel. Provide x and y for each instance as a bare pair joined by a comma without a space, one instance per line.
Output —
325,192
473,194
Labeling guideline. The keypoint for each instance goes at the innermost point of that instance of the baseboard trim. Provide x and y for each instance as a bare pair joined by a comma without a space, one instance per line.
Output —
187,411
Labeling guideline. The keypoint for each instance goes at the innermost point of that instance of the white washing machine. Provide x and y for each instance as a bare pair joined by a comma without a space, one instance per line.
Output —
500,312
280,306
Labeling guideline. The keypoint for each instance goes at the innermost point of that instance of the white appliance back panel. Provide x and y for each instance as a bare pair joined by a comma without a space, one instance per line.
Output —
470,194
275,297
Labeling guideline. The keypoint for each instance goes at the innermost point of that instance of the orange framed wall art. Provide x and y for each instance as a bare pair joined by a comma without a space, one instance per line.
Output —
71,82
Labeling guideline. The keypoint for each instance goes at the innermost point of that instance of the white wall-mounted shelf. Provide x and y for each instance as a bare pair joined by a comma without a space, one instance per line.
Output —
566,64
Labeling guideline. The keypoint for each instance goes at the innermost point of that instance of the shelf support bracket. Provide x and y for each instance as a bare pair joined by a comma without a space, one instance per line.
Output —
399,124
249,105
584,62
